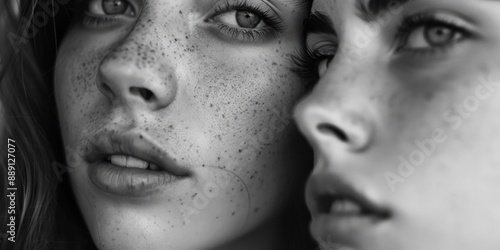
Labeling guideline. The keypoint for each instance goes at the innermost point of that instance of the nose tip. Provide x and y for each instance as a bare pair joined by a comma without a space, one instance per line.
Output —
328,129
122,81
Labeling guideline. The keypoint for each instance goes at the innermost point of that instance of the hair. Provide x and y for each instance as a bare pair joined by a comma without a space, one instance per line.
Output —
46,212
29,115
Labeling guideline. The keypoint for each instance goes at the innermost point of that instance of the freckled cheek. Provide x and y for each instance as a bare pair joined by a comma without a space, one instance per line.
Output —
75,89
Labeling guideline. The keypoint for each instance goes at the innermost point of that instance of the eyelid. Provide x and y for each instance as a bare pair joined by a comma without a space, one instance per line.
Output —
316,41
447,19
440,18
133,4
223,6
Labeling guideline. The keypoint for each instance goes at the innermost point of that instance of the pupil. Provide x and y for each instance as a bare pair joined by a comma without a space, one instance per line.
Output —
439,36
114,7
247,19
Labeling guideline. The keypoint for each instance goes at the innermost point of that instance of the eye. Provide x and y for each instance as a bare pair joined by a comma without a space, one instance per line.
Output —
323,66
111,7
240,18
320,50
101,14
432,36
428,32
245,21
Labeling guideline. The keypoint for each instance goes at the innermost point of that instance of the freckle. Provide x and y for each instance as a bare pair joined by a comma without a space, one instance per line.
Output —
140,136
233,213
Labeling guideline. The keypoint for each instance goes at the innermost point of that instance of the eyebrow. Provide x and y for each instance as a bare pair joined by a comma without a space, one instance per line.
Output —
318,23
375,7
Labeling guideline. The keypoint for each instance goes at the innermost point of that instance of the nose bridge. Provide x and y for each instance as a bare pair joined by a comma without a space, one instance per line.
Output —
347,84
337,116
135,72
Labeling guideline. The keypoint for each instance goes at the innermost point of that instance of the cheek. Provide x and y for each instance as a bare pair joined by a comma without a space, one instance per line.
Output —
75,88
247,106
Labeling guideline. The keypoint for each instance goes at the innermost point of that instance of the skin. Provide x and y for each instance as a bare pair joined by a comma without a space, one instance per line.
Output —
216,95
386,102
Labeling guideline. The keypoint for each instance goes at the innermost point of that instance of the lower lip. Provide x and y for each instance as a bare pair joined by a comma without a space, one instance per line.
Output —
132,182
345,229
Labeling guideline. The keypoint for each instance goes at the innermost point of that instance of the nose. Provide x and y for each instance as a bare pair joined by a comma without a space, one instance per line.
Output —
135,84
335,117
333,131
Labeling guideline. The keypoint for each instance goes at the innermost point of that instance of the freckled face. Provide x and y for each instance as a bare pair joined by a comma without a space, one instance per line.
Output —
405,114
209,81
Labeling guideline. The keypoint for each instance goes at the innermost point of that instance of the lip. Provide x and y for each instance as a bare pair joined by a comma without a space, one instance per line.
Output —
131,182
343,228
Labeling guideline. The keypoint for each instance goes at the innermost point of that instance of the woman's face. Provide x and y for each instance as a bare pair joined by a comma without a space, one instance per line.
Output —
404,122
175,119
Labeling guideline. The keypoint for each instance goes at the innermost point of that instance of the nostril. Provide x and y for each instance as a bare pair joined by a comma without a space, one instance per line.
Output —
331,129
146,94
106,89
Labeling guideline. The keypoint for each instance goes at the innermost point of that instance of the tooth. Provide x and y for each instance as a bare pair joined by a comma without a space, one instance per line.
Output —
119,160
154,166
336,207
133,162
352,208
128,161
345,206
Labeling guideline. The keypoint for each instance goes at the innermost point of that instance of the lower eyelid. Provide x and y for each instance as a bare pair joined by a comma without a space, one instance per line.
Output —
242,35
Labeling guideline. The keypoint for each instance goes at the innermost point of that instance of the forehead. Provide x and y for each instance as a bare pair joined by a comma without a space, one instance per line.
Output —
326,6
368,7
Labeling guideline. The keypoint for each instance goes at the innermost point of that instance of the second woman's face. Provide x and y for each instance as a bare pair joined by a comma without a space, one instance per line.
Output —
175,118
404,123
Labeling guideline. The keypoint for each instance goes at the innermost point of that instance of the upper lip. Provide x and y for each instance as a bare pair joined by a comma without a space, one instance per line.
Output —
326,188
135,144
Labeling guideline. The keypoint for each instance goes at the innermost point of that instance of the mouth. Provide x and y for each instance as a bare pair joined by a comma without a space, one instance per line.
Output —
131,164
350,205
342,213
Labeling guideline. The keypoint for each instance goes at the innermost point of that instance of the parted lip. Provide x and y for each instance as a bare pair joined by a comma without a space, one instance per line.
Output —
135,144
324,189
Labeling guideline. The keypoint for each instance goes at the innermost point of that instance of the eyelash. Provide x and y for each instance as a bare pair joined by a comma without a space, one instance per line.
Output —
93,21
411,23
247,35
307,61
